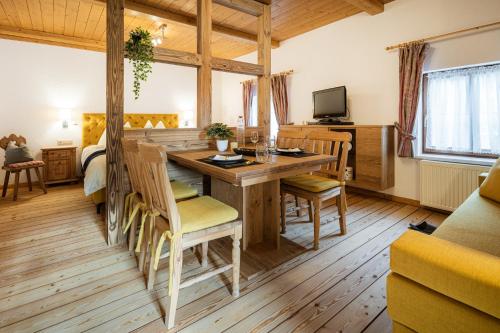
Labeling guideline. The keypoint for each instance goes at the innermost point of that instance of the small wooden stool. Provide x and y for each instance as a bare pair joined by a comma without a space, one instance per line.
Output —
17,168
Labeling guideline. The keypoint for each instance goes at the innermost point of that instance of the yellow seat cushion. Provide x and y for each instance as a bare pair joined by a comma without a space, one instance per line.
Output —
182,190
490,188
311,183
204,212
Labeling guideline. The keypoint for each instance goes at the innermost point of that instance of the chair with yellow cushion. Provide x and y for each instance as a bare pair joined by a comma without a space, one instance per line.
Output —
328,183
134,203
184,224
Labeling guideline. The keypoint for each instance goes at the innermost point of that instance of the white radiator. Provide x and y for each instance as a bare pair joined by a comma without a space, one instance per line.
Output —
447,185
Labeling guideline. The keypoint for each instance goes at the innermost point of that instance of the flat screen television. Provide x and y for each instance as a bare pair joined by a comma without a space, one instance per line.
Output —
330,103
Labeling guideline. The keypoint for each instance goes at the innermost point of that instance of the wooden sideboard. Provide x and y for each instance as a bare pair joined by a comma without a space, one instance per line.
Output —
371,156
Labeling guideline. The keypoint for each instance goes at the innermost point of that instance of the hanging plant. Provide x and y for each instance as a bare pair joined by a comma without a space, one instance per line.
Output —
139,51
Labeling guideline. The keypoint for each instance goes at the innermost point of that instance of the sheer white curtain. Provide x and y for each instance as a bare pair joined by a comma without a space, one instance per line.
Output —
463,110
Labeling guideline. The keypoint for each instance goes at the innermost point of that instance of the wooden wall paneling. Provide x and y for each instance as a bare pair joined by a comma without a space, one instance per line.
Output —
60,16
264,59
47,13
23,14
81,19
114,115
70,18
372,7
246,6
204,72
35,12
94,16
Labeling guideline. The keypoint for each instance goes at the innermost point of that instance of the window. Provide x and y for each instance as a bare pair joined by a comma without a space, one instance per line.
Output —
461,111
254,112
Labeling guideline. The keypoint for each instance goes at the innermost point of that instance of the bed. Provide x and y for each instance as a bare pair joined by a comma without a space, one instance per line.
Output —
93,158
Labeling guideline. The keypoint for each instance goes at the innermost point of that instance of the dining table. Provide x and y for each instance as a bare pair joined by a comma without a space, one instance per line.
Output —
253,190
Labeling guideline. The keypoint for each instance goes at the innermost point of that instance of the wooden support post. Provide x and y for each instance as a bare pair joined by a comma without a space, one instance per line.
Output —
264,59
204,39
114,119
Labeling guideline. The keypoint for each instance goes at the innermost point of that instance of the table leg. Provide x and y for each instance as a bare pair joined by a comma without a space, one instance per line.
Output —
258,206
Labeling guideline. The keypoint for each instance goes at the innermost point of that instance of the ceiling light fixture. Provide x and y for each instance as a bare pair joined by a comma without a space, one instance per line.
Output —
159,39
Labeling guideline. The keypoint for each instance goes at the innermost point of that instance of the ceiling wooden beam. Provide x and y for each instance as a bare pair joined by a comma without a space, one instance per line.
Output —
232,66
372,7
182,18
168,56
246,6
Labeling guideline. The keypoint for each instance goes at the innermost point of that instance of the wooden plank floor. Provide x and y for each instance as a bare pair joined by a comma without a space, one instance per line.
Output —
58,275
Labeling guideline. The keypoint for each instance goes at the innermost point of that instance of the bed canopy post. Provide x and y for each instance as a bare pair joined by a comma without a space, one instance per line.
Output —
114,119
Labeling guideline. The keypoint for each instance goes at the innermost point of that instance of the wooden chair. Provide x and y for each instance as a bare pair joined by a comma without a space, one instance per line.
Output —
185,224
293,139
134,203
317,188
17,168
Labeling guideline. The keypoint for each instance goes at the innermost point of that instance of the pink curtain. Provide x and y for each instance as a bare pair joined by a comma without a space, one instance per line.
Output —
279,91
411,60
248,94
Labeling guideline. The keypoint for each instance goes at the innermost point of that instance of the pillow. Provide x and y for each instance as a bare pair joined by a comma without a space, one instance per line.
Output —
490,188
127,125
148,124
102,140
15,154
160,125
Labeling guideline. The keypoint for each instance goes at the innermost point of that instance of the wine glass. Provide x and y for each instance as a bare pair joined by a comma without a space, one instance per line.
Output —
254,137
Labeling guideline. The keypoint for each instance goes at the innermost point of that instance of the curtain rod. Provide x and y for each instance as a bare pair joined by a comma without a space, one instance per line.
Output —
288,72
436,37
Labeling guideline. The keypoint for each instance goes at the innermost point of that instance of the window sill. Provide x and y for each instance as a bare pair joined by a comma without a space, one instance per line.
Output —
456,159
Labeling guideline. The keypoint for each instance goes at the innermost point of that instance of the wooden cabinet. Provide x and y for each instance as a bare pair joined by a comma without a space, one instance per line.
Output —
371,156
60,164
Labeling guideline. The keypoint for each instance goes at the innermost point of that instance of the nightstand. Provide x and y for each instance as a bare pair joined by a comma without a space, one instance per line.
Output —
60,164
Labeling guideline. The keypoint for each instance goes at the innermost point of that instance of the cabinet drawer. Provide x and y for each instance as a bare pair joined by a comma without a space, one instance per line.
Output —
59,155
58,170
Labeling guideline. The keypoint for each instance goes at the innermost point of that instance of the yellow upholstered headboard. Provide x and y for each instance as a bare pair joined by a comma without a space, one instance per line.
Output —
93,124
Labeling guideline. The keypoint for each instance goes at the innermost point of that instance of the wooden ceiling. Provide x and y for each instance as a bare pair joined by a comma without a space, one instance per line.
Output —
82,23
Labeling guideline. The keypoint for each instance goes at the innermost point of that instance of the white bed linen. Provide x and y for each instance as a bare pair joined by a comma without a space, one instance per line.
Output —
95,175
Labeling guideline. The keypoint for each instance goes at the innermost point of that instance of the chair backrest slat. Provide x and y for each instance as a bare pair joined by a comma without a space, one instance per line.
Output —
331,143
132,160
157,183
290,139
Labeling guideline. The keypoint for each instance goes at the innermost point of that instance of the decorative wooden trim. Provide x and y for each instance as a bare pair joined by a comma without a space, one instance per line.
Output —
264,59
246,6
175,57
50,38
372,7
204,77
232,66
114,116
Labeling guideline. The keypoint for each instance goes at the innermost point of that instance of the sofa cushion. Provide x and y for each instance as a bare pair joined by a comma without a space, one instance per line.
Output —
469,276
424,310
475,224
490,188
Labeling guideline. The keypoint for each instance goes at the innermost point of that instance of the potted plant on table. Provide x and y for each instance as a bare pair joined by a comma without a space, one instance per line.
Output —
221,133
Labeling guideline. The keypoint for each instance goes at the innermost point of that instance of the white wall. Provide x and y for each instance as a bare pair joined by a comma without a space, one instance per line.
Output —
38,81
352,52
